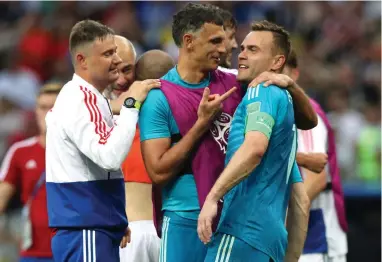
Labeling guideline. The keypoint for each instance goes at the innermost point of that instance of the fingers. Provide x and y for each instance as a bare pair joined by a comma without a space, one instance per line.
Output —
227,94
268,83
128,237
260,78
212,97
123,242
204,229
152,83
206,94
201,230
208,227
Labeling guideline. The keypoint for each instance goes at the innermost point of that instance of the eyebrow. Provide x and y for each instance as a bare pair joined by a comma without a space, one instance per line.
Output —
110,49
249,46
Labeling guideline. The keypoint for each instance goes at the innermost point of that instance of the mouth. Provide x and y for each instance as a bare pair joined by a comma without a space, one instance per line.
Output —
217,59
120,88
242,67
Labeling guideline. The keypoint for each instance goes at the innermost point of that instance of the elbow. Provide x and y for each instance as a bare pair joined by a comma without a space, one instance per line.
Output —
158,179
308,123
258,153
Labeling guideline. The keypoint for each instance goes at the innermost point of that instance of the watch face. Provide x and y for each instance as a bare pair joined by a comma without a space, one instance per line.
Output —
129,102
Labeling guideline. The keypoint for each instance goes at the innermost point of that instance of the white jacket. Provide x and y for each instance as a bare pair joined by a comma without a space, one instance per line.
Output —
84,145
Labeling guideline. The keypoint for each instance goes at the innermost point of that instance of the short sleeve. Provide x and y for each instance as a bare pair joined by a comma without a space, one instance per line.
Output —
261,104
296,175
320,137
154,117
9,171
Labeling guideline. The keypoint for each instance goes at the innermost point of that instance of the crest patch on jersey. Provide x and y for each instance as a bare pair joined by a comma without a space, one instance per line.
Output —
253,107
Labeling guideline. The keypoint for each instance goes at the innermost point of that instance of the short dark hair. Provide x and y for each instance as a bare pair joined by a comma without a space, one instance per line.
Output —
281,39
292,59
192,17
87,31
228,19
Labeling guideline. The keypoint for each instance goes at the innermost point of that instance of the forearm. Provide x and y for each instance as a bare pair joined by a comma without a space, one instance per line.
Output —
115,106
172,161
107,147
297,225
302,159
305,116
241,165
311,161
314,183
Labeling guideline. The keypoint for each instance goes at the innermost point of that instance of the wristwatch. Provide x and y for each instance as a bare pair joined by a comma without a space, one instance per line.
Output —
132,103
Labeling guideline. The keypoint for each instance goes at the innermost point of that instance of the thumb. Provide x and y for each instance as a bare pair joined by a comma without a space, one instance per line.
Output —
206,94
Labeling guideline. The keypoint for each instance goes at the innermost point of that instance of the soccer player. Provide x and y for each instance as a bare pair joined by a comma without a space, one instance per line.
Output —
23,171
326,237
261,168
304,114
85,149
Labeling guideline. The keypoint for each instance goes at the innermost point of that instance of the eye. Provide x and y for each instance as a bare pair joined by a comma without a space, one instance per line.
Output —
216,41
109,53
126,69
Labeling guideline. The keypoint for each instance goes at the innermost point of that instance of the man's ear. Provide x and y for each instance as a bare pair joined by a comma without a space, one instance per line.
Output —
81,60
188,41
278,62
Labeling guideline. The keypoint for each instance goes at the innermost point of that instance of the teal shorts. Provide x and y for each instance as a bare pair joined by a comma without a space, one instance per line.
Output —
227,248
180,241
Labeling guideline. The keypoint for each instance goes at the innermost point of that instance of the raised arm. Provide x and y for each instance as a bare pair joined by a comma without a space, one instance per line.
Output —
304,114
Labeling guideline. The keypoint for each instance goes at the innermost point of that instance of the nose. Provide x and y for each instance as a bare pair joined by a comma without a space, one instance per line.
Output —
116,59
222,49
121,81
242,55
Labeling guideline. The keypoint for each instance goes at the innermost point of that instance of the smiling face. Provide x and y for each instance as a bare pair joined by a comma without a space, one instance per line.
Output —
207,46
258,54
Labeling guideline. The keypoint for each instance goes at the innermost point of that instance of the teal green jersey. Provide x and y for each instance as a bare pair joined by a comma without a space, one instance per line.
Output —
255,209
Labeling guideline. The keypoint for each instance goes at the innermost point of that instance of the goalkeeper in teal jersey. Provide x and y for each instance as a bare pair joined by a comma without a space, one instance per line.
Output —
261,173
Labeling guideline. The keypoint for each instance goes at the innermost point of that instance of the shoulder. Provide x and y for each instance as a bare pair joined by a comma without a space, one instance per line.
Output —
155,98
260,91
25,144
155,104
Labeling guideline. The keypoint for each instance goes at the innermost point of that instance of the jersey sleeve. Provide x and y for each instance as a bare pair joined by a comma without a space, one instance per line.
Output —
296,175
261,109
320,137
87,129
154,117
8,170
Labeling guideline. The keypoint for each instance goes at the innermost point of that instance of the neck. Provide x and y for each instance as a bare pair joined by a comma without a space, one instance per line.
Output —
42,140
190,71
99,86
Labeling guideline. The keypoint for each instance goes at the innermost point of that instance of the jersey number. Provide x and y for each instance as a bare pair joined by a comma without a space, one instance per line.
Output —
292,155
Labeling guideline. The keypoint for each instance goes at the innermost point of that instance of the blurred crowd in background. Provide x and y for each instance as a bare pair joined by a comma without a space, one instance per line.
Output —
338,46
